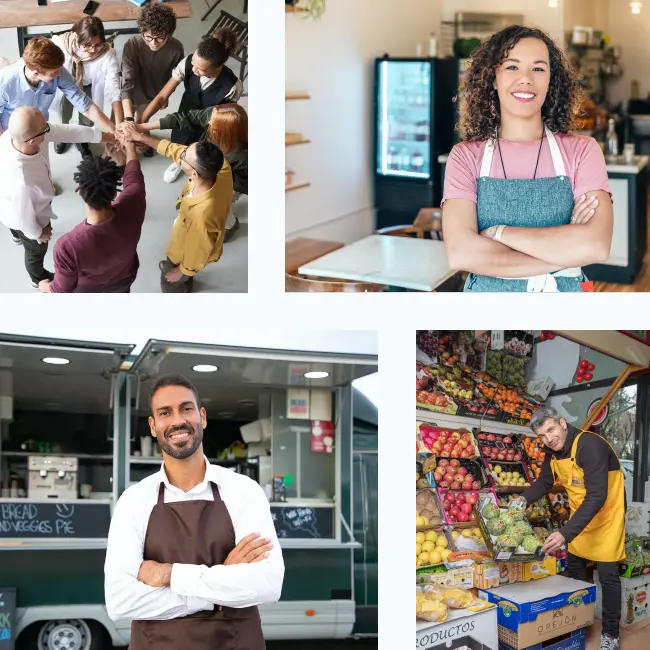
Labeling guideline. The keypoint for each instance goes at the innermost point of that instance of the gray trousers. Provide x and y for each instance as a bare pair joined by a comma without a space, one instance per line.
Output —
67,109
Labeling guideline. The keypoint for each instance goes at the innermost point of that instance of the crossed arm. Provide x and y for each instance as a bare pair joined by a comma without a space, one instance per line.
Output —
523,252
145,590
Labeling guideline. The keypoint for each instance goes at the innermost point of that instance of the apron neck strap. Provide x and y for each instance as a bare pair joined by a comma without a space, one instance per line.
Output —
161,493
574,446
558,163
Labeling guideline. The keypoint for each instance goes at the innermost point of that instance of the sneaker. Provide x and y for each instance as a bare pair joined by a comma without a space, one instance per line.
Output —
608,642
57,189
172,173
16,240
61,147
231,231
148,153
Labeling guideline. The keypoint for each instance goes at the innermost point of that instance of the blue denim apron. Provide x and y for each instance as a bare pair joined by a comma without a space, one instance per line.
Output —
534,203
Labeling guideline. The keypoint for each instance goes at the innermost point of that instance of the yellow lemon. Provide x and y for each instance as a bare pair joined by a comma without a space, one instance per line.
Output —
424,557
445,552
418,549
431,536
477,532
442,542
435,557
419,538
426,521
467,532
419,522
428,546
455,535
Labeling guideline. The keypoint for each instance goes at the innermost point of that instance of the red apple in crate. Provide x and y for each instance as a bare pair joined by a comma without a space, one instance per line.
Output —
451,519
476,485
481,436
466,436
455,436
464,444
446,505
454,510
507,440
437,448
450,496
485,450
518,457
472,517
454,463
451,469
467,486
454,453
501,456
463,517
466,508
443,463
460,498
437,477
449,478
461,471
467,453
444,484
491,437
468,477
472,499
454,486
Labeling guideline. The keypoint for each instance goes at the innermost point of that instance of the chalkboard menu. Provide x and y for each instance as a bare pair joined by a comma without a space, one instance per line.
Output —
303,523
7,618
58,520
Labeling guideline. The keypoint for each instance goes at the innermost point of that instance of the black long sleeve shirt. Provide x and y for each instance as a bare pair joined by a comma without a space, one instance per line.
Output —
596,458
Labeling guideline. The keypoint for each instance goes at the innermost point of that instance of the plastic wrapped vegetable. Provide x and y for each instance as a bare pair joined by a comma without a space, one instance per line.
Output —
430,608
456,598
490,511
516,535
496,526
530,543
505,541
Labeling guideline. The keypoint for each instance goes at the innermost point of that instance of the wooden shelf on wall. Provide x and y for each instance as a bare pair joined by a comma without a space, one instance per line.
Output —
293,188
293,144
289,96
289,9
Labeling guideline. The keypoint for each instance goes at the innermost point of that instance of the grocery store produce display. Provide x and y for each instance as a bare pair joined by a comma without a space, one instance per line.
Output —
509,475
433,601
506,368
427,511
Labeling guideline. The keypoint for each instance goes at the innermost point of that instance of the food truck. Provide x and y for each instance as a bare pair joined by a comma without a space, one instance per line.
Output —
74,436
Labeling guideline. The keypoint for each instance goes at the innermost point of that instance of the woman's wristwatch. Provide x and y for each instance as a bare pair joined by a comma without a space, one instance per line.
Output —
129,119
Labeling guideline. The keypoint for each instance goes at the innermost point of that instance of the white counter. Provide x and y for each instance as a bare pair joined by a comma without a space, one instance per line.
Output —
640,163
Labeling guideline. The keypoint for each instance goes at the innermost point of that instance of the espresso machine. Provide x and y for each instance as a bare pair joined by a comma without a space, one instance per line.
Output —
52,477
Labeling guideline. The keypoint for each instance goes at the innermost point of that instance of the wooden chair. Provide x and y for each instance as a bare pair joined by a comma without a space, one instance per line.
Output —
240,28
428,224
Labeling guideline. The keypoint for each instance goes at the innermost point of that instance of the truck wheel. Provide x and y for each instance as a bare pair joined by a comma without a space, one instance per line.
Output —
66,634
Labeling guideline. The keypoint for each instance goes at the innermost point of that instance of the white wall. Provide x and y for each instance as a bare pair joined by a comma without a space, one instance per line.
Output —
587,13
632,33
332,59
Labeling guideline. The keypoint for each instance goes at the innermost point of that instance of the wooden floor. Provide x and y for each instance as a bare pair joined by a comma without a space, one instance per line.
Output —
635,637
642,280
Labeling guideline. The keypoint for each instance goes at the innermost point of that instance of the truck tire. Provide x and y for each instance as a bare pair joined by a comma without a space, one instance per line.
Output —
65,634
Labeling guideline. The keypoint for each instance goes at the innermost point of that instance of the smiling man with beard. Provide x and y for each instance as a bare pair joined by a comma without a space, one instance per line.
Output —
192,549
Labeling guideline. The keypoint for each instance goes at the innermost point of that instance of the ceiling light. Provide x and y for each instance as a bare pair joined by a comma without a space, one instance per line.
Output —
636,7
225,415
552,4
205,368
317,374
56,361
246,402
206,400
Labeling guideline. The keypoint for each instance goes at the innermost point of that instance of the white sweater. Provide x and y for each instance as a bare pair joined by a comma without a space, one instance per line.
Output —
26,190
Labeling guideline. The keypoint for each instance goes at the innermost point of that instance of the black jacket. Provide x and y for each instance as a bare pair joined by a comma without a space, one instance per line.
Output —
596,458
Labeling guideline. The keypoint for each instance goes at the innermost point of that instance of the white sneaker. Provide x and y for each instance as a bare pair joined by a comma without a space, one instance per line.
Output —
608,642
172,173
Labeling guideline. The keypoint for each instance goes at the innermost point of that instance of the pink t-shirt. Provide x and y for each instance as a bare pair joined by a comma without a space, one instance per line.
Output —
583,160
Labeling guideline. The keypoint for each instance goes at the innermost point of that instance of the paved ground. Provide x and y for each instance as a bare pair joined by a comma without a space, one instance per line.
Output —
348,644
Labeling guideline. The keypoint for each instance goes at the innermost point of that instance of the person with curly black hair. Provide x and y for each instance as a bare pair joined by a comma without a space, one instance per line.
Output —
526,202
198,233
149,59
99,255
208,82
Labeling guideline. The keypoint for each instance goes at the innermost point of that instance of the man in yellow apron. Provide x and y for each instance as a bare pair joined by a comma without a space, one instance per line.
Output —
587,466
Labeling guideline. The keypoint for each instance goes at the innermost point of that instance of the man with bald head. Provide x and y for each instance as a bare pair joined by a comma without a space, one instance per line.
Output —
26,189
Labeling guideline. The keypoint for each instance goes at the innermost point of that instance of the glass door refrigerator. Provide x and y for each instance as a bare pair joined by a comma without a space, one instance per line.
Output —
414,123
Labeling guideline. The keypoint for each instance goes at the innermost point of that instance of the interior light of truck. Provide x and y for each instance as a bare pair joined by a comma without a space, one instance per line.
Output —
205,368
56,361
317,374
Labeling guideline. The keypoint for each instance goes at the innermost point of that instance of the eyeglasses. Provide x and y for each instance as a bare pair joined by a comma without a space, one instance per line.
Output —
184,159
154,39
90,47
47,130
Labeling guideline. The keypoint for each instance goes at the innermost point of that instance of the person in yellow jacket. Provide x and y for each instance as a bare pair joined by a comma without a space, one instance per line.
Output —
197,236
587,466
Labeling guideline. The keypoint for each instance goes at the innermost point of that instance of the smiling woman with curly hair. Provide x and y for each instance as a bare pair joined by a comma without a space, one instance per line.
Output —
526,203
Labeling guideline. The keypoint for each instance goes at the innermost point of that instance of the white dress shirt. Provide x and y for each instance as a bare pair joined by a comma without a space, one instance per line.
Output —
193,587
26,190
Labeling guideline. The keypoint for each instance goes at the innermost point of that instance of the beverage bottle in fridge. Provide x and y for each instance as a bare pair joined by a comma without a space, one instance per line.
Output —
417,162
404,160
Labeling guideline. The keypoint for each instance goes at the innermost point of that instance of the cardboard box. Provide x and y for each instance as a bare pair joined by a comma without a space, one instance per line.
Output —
576,640
637,519
463,630
539,611
537,570
635,599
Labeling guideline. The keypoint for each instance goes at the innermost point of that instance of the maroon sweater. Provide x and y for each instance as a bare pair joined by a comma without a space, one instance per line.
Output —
92,258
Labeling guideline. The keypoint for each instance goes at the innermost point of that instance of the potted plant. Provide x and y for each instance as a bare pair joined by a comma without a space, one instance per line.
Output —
315,8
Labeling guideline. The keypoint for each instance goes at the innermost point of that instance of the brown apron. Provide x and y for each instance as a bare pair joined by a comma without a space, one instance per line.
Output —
195,532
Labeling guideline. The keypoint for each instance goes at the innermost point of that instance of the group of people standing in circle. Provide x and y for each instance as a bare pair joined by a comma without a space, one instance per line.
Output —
208,142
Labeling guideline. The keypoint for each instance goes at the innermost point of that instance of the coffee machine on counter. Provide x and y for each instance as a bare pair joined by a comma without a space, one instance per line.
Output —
52,477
